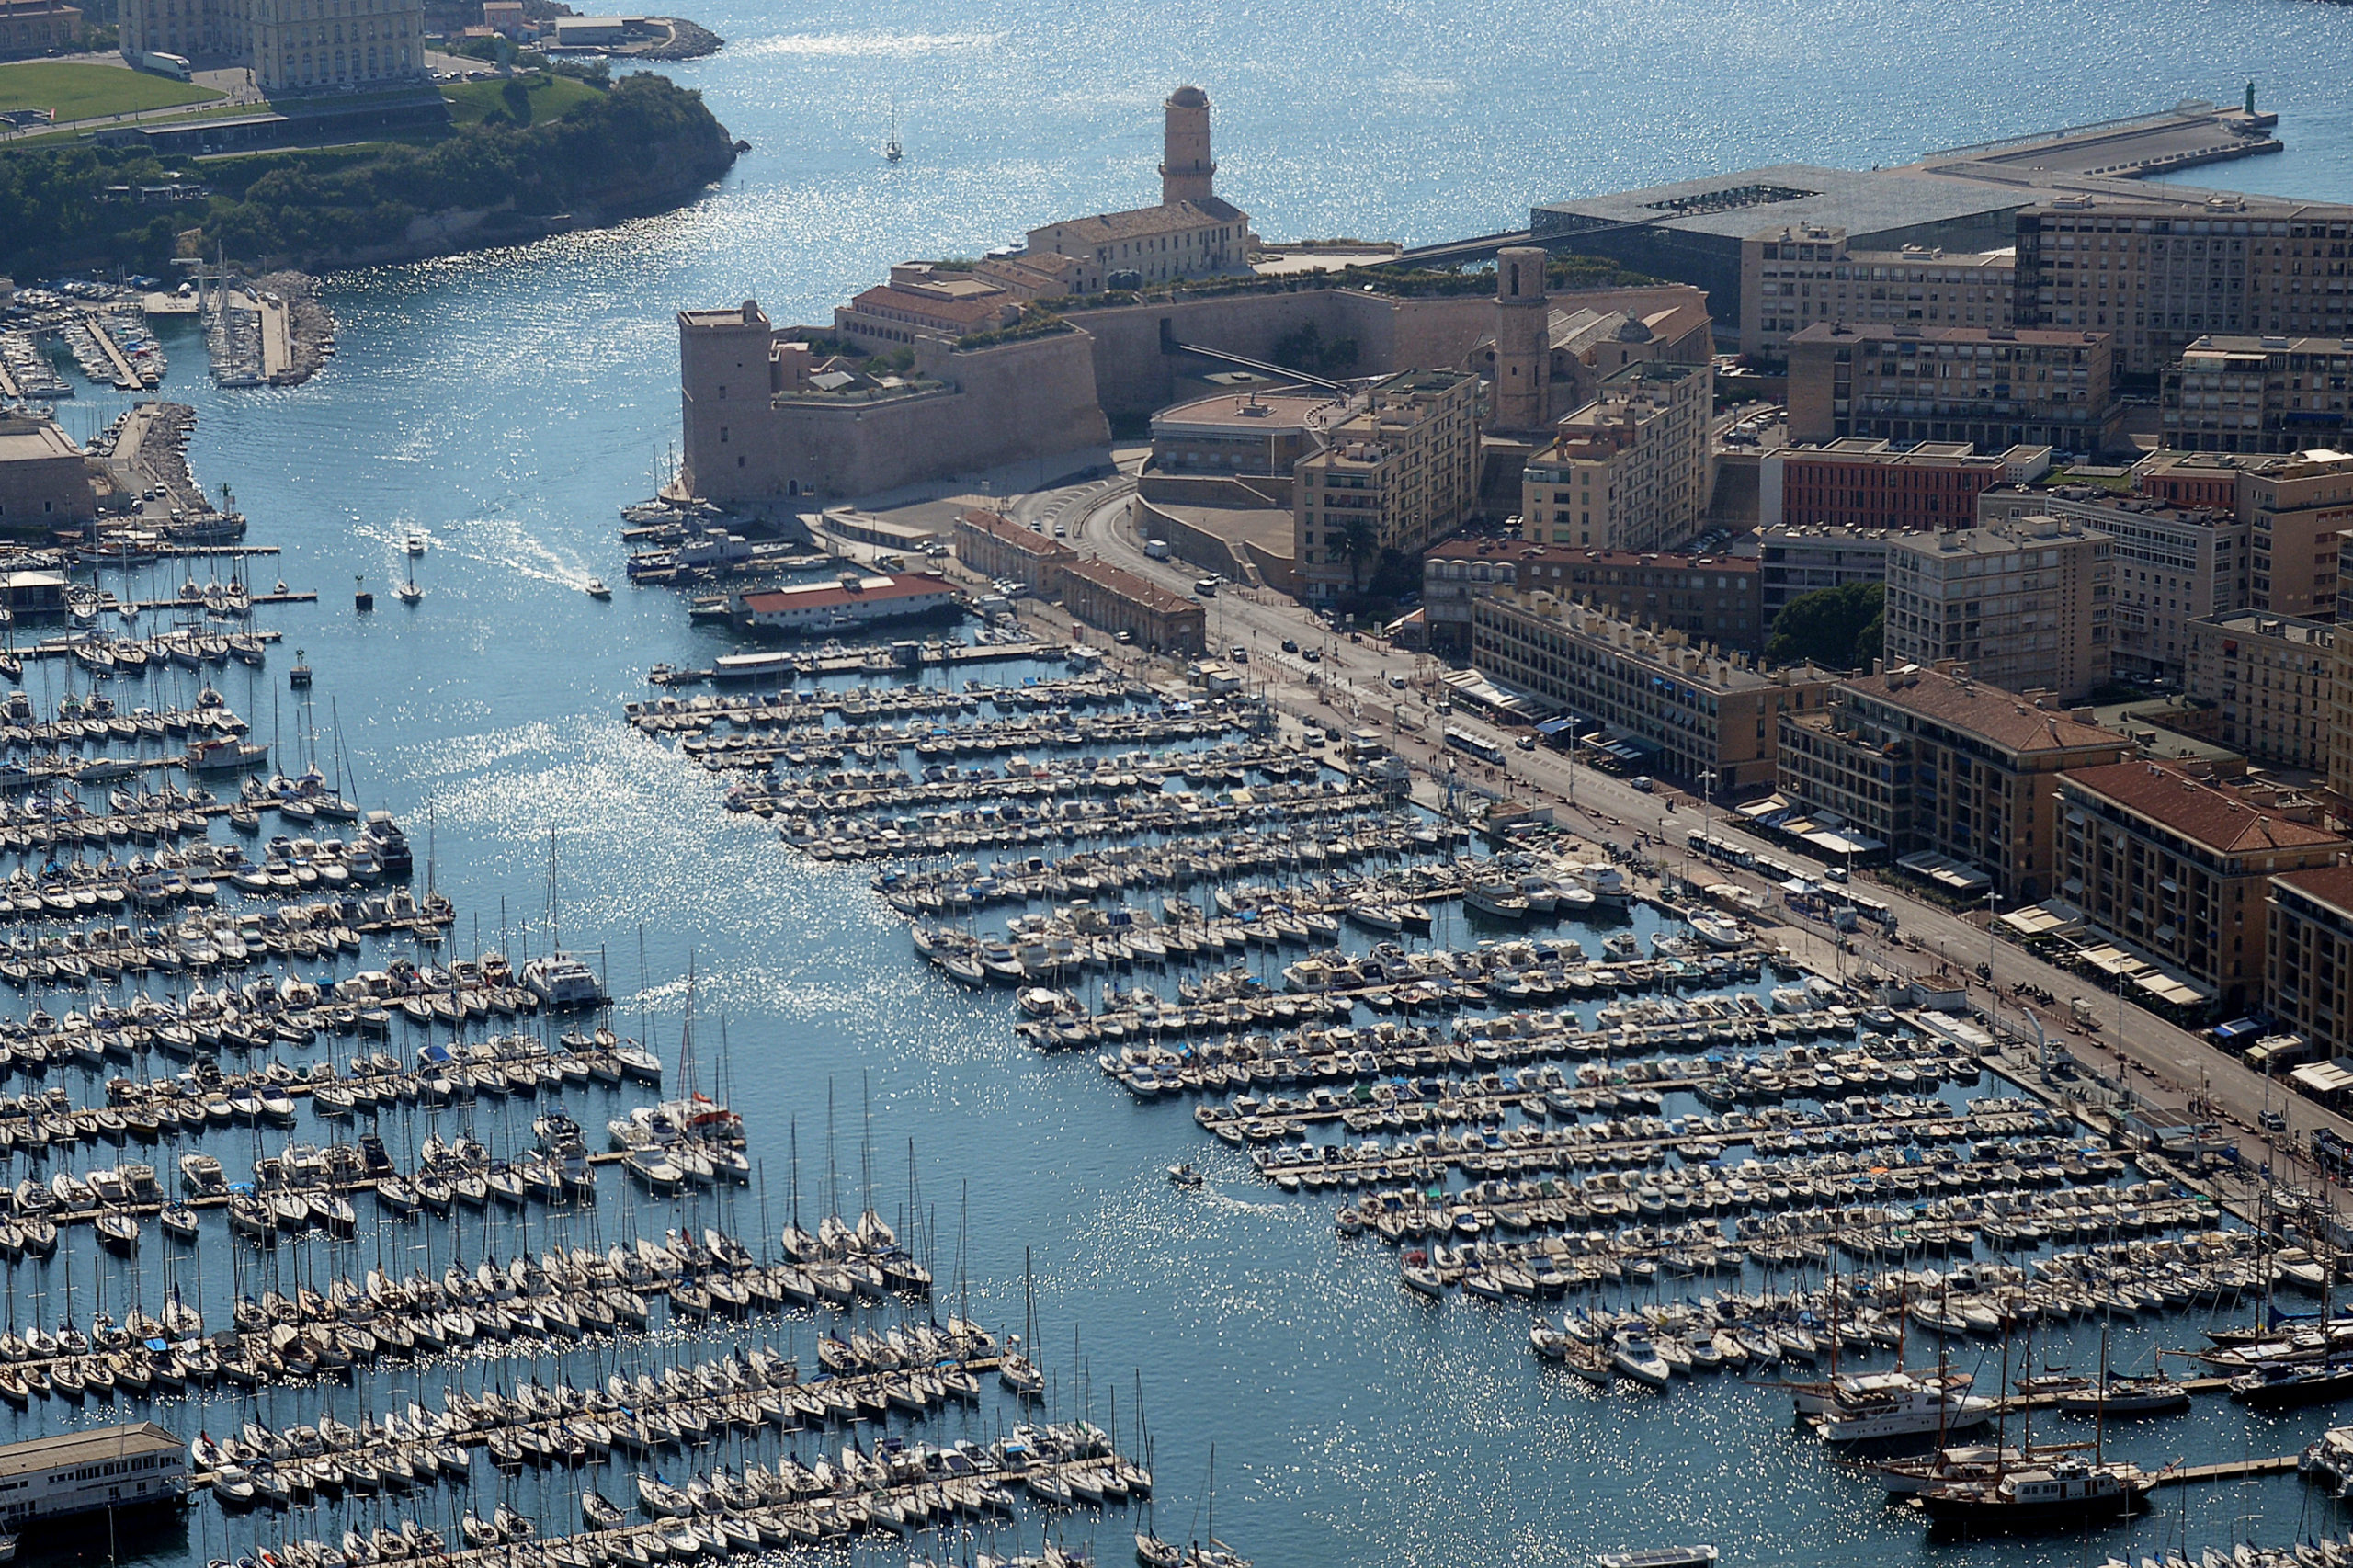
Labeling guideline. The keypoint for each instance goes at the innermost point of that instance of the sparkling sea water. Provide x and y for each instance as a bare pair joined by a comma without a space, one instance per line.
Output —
506,403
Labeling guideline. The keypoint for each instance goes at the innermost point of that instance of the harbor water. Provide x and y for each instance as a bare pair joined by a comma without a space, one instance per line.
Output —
505,404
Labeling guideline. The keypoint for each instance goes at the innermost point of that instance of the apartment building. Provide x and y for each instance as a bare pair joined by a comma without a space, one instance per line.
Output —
1989,386
2025,605
2340,694
1705,718
1862,484
1714,596
1799,558
2161,278
2257,394
2271,679
1933,761
1629,470
2176,868
2174,564
1799,274
1397,474
2308,958
2295,507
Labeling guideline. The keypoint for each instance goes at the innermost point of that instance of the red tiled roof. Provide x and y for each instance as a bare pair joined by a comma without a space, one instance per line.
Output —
2204,812
824,595
2331,886
1005,531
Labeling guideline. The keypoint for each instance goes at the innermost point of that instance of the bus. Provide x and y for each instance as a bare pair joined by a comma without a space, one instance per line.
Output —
1483,749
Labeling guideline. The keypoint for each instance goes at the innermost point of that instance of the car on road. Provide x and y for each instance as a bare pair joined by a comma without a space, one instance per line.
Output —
1241,654
1062,530
1206,588
1396,682
1313,655
1526,743
1123,638
1291,644
1642,781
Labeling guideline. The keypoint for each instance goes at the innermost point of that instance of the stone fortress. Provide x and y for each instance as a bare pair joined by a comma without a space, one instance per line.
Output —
947,369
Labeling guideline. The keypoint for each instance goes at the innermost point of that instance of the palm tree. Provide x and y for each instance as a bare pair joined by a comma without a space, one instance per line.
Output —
1357,542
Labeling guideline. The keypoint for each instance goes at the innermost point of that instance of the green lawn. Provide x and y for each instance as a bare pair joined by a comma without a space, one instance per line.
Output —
79,92
545,96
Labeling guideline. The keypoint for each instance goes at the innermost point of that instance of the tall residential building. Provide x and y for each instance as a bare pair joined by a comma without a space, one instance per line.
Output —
2160,279
2271,679
2174,564
291,45
2340,696
2257,394
2174,867
1990,386
1712,596
1395,475
1701,716
2308,958
1931,761
1797,274
2025,605
2295,507
1629,470
1862,484
1194,232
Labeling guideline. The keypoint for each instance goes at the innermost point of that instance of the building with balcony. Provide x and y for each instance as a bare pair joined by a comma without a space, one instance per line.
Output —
1797,274
1629,470
2176,868
1993,387
1794,558
1932,761
2174,564
1711,596
2025,605
2271,680
2257,394
1395,475
2161,278
1703,716
2308,958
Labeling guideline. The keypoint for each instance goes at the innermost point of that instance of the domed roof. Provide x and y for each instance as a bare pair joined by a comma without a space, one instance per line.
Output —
1634,331
1188,98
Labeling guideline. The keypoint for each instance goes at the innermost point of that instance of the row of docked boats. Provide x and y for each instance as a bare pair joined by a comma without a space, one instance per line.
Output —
967,886
893,1487
867,704
989,823
940,751
840,792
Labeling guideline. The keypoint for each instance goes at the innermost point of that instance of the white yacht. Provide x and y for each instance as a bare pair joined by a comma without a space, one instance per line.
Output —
1873,1406
562,981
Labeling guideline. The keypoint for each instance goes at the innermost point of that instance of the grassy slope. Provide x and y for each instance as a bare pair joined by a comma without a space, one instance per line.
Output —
78,91
549,96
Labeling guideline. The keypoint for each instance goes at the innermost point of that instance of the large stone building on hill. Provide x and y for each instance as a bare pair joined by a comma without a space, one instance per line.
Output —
291,45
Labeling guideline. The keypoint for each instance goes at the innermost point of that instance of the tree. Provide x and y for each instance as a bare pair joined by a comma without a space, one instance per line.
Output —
1357,542
1841,628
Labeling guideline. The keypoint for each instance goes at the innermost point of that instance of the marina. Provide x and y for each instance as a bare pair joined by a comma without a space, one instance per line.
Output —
1357,1007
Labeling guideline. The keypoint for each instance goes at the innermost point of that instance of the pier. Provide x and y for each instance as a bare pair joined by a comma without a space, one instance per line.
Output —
2228,1470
